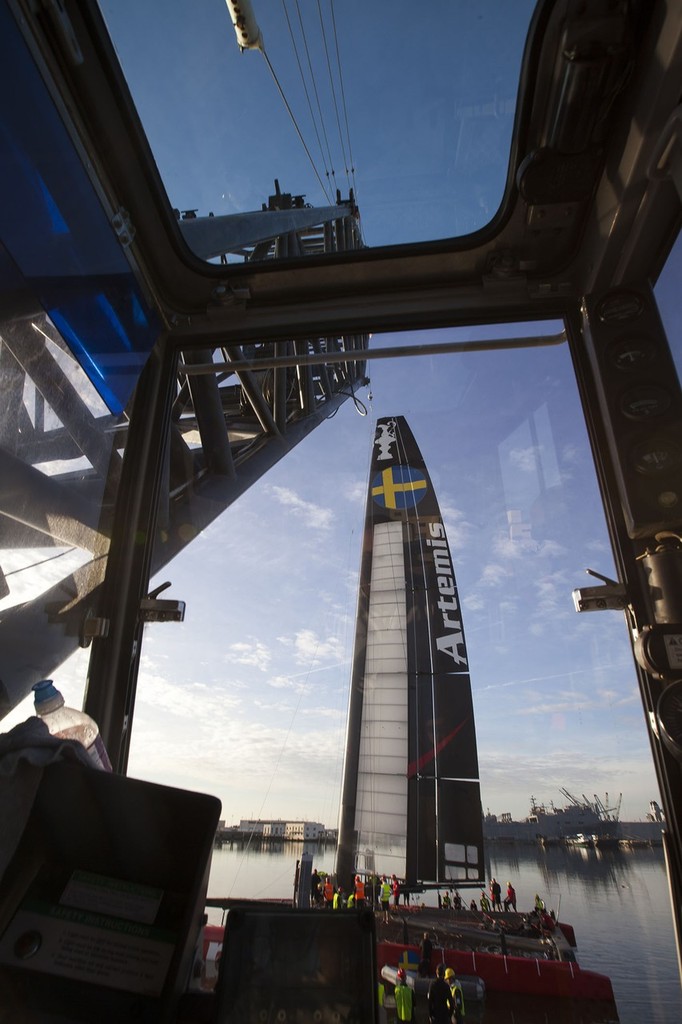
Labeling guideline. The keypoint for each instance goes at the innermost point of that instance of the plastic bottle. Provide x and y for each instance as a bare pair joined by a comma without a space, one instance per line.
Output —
68,723
198,971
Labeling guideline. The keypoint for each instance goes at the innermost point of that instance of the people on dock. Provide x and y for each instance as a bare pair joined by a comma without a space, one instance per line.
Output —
339,900
385,896
539,903
359,892
485,903
381,1000
472,905
457,994
351,902
495,894
395,888
315,888
440,1001
457,901
425,951
328,893
446,900
510,898
404,997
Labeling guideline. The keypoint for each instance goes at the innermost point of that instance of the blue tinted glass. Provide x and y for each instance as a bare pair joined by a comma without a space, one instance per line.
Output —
58,238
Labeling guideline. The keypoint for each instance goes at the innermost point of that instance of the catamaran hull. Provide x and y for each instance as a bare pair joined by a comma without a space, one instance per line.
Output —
513,974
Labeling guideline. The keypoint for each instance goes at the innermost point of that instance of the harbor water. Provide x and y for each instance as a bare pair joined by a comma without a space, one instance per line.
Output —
616,900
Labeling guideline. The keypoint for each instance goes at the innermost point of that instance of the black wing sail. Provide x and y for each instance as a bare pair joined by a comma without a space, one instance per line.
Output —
411,796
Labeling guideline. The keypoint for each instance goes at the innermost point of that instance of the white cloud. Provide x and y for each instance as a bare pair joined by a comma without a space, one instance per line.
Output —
249,652
313,650
525,459
316,516
494,575
457,528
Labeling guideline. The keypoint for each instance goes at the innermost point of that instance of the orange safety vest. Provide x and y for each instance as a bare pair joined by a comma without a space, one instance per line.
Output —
328,891
359,890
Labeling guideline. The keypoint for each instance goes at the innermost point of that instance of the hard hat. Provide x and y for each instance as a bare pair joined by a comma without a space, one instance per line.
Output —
449,973
401,974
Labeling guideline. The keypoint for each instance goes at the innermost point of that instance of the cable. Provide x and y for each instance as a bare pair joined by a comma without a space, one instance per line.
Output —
34,565
317,95
333,89
307,96
360,406
295,122
343,100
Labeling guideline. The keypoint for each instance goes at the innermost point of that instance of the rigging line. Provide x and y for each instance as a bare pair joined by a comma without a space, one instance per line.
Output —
33,565
343,101
344,691
307,95
295,122
302,690
317,95
333,88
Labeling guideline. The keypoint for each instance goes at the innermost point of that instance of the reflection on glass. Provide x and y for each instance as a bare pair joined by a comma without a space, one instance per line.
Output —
61,455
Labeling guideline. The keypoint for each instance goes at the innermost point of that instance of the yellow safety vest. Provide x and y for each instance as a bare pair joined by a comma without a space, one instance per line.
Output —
403,1002
458,997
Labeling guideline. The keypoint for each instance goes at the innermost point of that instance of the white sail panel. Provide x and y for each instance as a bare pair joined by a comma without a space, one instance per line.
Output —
381,807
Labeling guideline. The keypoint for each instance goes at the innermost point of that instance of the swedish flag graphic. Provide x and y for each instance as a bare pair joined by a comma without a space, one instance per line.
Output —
409,960
399,487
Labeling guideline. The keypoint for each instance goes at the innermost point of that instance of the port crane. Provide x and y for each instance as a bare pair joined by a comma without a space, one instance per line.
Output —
599,806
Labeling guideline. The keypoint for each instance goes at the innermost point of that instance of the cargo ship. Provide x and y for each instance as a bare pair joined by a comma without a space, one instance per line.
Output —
578,816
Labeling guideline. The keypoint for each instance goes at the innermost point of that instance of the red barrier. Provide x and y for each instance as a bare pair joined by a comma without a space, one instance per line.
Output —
522,975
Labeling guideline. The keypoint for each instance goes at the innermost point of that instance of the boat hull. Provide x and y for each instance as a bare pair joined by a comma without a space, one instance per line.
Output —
514,974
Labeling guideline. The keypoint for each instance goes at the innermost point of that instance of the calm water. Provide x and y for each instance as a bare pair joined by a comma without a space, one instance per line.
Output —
617,901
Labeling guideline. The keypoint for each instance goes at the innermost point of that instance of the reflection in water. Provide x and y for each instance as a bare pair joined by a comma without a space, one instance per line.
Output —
502,1008
617,901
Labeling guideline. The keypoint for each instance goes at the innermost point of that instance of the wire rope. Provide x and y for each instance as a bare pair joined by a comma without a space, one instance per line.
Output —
343,100
295,122
307,94
333,91
42,561
317,95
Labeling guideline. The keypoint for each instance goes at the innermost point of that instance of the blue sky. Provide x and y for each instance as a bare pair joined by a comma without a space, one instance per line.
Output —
247,698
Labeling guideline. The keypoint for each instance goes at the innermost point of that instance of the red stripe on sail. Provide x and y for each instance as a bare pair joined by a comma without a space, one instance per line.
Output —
430,755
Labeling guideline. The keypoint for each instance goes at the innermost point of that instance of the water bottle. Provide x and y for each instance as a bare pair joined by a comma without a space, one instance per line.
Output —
68,723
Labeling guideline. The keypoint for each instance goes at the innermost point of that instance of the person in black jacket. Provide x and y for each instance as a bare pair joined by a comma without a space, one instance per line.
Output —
425,950
440,999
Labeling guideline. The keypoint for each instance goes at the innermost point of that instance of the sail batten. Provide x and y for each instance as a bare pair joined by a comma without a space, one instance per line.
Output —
411,800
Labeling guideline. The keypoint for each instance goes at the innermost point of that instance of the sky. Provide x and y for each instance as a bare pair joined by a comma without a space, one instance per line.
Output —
247,698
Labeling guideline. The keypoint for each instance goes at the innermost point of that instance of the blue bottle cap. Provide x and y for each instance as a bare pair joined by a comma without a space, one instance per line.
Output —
45,691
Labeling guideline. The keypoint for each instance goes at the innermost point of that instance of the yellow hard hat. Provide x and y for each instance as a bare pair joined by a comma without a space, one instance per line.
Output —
449,973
